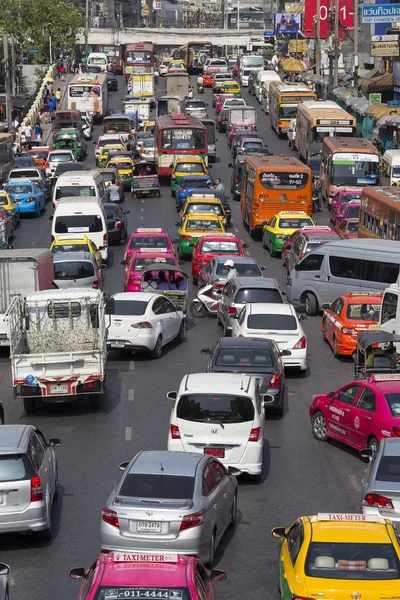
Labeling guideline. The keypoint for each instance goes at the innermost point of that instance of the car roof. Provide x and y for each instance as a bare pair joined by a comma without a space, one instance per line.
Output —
214,383
244,342
72,256
256,282
390,447
25,169
270,308
204,217
61,152
313,235
14,438
173,463
151,231
387,386
24,181
348,531
171,574
245,260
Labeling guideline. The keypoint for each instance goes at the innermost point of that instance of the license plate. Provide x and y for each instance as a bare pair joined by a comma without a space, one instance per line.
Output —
117,344
218,452
149,526
58,389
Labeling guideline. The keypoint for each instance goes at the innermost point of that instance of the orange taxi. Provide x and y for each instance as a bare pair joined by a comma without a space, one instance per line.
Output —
347,229
209,76
348,316
39,155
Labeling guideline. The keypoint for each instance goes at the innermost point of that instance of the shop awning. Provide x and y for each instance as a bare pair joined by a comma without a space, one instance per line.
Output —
381,83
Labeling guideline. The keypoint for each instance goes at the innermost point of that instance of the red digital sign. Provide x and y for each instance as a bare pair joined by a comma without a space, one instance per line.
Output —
310,12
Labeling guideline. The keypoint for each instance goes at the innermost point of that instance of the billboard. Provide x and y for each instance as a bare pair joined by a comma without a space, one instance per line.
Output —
310,11
287,22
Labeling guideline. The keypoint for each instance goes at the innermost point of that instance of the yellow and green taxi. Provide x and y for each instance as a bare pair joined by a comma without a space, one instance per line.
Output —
7,202
78,244
280,228
198,206
231,87
340,557
124,166
193,227
184,167
101,160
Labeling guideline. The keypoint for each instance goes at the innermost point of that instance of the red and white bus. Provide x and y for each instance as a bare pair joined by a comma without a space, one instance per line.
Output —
178,136
139,58
114,54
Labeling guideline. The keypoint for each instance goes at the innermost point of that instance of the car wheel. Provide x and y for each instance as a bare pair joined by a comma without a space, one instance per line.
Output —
180,338
1,414
335,350
95,401
311,305
264,245
173,193
373,445
233,512
272,252
318,424
227,333
56,487
29,405
37,213
157,351
210,561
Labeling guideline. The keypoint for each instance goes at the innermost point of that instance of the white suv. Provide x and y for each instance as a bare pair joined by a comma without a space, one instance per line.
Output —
277,322
220,414
57,156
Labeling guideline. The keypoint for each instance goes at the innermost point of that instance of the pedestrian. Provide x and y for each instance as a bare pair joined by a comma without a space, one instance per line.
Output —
59,65
58,96
62,70
114,193
28,133
53,103
38,130
219,187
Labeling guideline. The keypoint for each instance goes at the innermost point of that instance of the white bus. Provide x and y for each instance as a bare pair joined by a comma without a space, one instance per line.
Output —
99,59
88,92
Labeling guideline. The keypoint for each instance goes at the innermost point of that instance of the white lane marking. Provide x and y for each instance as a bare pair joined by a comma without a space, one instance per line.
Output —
236,229
355,483
247,253
131,395
142,201
132,365
141,218
142,209
128,434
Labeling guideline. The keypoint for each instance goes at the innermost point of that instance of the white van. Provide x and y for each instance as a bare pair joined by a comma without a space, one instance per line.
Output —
272,76
99,59
264,76
83,184
336,268
389,316
390,167
81,216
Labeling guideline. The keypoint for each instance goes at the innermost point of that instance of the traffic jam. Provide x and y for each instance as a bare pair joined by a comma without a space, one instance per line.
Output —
199,286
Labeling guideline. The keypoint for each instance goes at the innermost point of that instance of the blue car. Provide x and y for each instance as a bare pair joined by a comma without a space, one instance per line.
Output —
28,195
189,183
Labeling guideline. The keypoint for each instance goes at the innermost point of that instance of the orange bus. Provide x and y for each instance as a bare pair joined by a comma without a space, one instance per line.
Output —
347,162
380,213
272,184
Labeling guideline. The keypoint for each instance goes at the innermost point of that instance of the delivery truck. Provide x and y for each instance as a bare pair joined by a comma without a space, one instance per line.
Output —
143,85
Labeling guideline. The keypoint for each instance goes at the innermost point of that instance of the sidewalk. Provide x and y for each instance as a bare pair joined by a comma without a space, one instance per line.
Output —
58,83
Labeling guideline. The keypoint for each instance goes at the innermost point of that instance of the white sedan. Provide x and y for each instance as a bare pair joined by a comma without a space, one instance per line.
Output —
4,592
148,150
143,321
277,322
163,68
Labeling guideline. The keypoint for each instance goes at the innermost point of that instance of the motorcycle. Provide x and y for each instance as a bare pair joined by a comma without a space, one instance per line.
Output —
206,302
200,88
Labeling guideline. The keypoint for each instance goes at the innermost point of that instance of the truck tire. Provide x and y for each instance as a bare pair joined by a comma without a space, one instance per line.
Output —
95,401
30,405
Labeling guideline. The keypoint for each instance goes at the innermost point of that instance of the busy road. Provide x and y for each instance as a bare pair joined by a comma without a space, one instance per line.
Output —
301,475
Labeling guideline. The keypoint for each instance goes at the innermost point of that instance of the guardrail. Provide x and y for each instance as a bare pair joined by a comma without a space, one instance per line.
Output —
38,102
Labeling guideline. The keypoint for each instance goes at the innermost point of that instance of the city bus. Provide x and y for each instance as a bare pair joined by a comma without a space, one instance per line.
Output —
177,136
350,162
114,55
194,55
317,120
88,92
284,99
380,213
139,58
6,155
272,184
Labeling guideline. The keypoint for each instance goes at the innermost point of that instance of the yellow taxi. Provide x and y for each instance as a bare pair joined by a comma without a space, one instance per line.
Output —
176,66
149,126
193,227
281,226
10,206
340,557
101,160
184,167
207,204
231,87
79,244
124,166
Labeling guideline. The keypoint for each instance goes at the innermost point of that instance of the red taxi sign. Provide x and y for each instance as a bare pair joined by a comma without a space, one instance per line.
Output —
318,227
149,230
349,518
137,558
154,250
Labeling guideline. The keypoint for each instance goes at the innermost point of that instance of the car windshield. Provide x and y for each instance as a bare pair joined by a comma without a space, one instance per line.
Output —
393,401
257,358
274,322
352,227
219,247
19,189
247,269
348,196
205,208
142,261
353,212
73,270
149,242
15,468
294,222
389,469
78,224
157,485
67,191
354,561
189,168
268,295
70,248
224,408
363,312
142,593
60,157
23,174
126,308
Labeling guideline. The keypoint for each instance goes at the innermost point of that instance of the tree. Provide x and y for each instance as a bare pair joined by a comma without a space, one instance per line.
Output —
32,23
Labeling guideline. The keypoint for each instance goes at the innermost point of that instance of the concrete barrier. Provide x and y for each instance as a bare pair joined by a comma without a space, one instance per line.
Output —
38,102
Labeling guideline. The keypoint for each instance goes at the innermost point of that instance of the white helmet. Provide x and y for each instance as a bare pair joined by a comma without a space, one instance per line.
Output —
229,263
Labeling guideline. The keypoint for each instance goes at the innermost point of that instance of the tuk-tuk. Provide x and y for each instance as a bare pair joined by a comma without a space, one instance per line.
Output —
177,279
145,180
209,124
67,119
70,139
376,354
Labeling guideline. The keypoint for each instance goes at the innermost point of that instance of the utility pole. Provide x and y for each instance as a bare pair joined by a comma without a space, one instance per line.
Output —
238,14
13,69
7,70
330,39
355,62
336,47
317,39
87,25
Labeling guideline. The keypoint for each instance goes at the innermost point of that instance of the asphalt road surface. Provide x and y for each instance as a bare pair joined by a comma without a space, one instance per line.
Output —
301,475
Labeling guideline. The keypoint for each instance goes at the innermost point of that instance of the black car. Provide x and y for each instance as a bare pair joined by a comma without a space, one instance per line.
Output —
255,150
117,223
21,162
254,357
90,68
240,136
222,120
65,167
112,82
237,174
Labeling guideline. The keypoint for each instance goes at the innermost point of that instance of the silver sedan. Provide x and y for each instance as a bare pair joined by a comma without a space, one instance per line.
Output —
4,593
170,501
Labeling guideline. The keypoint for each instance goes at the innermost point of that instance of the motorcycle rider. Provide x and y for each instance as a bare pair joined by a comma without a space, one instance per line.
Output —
200,82
230,265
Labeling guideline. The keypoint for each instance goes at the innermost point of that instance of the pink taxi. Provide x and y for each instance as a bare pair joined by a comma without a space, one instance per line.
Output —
148,237
346,194
220,101
144,257
142,576
359,414
235,129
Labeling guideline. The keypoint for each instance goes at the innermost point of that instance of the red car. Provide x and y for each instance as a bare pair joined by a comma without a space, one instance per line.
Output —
343,195
214,244
143,258
145,576
236,129
6,218
347,229
359,414
350,210
148,237
289,243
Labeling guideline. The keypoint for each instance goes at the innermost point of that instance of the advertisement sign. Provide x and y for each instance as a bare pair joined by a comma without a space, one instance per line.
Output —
298,46
380,13
345,16
294,7
385,45
287,23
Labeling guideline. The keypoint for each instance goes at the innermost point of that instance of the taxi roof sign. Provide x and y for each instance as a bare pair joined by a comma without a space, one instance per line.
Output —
349,518
318,227
137,557
149,230
387,377
354,294
157,250
293,212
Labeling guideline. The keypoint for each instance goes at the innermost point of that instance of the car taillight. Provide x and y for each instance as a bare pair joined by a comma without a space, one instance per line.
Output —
193,520
96,284
275,381
224,221
181,190
142,325
348,331
377,500
236,180
254,434
280,236
232,310
118,224
110,517
219,285
301,344
117,183
79,144
105,240
36,489
175,433
295,597
396,431
31,199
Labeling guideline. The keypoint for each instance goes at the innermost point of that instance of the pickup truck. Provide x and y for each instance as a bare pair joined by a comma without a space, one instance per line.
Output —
58,346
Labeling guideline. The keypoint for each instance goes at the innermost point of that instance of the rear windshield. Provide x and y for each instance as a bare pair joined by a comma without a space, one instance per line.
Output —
109,142
24,174
348,196
245,357
144,262
283,180
163,487
247,269
18,189
196,183
218,408
126,308
353,212
79,224
64,167
364,312
109,177
389,469
274,322
60,157
220,247
200,225
294,223
195,105
70,248
393,401
189,168
73,270
205,208
39,154
245,296
149,242
15,468
67,191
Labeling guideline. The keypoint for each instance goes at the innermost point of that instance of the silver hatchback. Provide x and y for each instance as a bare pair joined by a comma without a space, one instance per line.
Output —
28,480
170,501
77,269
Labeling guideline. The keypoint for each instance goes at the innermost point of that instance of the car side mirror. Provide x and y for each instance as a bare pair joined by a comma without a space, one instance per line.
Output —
177,223
5,569
245,246
296,267
127,212
330,394
103,267
366,453
54,442
205,351
51,218
325,305
77,573
123,262
268,399
233,471
302,318
218,575
234,316
122,466
278,532
263,268
172,395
